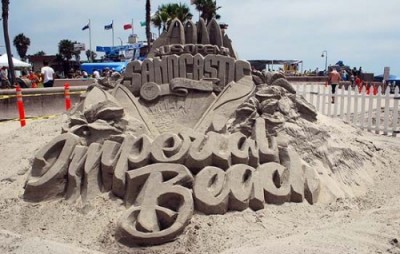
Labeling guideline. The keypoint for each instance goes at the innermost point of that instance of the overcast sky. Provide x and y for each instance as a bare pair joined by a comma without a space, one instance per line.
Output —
359,32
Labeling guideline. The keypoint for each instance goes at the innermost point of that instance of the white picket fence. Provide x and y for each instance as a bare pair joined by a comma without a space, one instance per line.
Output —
377,113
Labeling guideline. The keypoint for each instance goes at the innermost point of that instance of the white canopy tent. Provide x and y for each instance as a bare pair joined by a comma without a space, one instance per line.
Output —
17,63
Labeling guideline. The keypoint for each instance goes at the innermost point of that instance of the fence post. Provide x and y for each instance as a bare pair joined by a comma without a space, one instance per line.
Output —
67,96
20,106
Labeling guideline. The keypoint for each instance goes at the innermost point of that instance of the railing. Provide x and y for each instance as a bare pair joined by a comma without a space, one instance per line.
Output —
372,109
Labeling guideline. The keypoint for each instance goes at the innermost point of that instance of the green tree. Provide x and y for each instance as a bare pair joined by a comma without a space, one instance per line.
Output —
22,43
208,9
66,49
168,12
40,53
5,8
160,20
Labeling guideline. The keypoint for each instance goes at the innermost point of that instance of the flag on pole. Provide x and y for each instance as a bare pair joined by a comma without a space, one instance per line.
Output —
127,26
108,27
142,23
85,27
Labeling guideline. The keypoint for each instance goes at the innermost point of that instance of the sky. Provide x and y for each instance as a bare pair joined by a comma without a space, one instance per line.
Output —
362,33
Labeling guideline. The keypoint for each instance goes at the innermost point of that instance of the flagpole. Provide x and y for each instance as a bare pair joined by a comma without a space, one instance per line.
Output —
112,27
90,41
132,27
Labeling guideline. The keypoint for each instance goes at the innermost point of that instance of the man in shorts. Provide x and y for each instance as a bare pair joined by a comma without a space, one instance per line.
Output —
334,79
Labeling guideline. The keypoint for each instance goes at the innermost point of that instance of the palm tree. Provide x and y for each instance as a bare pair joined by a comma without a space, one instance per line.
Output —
208,9
66,49
21,43
5,4
148,33
160,20
168,12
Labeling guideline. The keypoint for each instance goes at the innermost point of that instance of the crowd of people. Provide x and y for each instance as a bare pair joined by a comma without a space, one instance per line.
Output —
43,78
106,72
354,76
46,76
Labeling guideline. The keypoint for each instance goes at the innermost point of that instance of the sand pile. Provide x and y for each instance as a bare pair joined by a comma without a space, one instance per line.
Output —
361,166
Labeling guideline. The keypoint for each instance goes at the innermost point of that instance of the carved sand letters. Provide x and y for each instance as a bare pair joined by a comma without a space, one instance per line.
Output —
50,168
160,202
159,205
162,70
193,49
158,196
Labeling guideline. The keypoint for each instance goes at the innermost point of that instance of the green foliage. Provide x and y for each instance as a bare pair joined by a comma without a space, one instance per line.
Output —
66,49
168,12
40,53
21,43
208,9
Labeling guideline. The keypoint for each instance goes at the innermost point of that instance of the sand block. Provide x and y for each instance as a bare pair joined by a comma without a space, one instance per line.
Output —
215,33
50,168
159,206
203,37
92,184
211,191
170,148
176,32
240,181
190,32
135,153
75,173
233,95
269,184
109,159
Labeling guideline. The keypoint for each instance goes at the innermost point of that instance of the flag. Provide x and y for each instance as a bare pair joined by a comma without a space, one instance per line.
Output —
85,27
108,27
142,23
127,26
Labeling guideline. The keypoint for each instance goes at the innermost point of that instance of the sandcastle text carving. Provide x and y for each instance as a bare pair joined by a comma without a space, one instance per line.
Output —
191,128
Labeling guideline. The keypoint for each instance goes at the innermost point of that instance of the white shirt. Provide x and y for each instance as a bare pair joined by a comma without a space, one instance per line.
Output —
48,73
96,74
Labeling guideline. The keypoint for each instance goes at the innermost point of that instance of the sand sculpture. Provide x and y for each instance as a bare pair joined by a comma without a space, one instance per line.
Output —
191,128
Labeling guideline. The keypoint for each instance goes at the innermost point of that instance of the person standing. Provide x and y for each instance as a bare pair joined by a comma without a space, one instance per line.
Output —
96,74
5,82
333,80
34,79
47,74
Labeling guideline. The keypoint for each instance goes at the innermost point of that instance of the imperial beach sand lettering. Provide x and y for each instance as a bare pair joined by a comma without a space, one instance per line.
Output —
229,172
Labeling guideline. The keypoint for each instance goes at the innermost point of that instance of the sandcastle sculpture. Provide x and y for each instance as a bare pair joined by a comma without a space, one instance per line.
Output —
191,128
